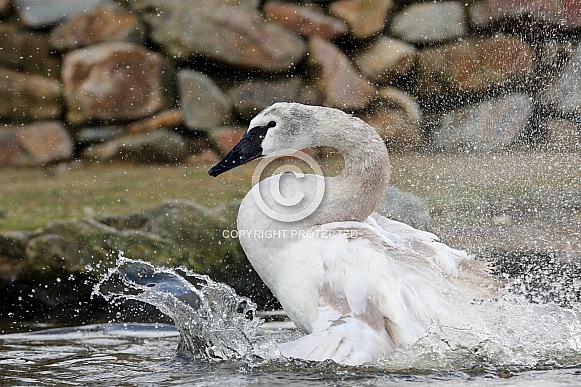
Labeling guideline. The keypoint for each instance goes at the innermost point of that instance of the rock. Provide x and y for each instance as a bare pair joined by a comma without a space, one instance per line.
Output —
474,65
25,96
224,138
26,51
562,135
44,13
168,118
405,207
228,31
397,119
429,22
334,75
564,14
364,17
95,135
202,102
565,92
107,23
4,6
487,126
35,144
306,20
175,233
253,96
159,147
386,59
116,81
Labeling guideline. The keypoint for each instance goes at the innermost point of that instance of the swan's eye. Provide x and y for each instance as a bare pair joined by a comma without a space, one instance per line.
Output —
271,124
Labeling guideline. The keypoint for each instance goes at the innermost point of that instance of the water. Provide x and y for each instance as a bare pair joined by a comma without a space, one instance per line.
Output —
218,339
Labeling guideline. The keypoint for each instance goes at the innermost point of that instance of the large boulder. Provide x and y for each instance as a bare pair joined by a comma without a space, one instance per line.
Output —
107,23
487,126
175,233
25,96
229,31
341,85
306,20
26,51
474,65
203,104
564,93
116,81
35,144
159,147
397,118
251,97
364,17
34,13
564,14
430,22
405,207
385,59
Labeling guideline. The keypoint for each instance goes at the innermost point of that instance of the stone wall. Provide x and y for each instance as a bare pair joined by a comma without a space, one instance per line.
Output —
155,80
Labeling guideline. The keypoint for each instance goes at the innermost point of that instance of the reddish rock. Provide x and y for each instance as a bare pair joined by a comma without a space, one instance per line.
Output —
562,13
487,126
230,31
474,65
224,138
35,144
46,141
108,23
29,96
339,82
4,6
26,51
203,104
397,119
116,81
385,59
253,96
364,17
166,119
306,20
430,22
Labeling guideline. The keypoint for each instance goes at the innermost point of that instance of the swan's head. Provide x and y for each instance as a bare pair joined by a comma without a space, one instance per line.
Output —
278,130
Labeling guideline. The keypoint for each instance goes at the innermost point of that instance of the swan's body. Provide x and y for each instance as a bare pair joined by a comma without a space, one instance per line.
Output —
359,285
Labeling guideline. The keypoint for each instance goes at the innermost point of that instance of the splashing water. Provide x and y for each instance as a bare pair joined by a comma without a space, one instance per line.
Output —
213,321
216,324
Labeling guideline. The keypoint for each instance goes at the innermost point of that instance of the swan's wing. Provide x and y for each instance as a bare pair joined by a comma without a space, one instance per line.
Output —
377,293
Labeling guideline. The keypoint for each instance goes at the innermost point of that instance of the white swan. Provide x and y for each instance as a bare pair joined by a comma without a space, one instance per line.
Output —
359,285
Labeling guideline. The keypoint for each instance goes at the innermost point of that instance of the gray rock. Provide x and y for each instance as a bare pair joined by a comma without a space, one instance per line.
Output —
25,96
565,92
405,207
487,126
251,97
44,13
202,102
159,147
98,134
230,31
430,22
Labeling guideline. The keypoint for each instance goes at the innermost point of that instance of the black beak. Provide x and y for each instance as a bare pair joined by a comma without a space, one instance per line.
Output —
247,149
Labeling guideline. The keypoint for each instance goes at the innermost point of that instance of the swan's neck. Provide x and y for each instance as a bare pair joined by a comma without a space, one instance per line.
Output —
357,191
